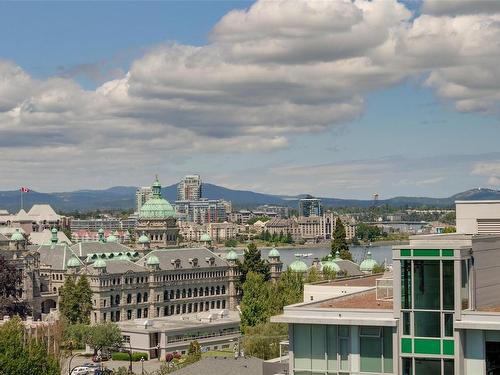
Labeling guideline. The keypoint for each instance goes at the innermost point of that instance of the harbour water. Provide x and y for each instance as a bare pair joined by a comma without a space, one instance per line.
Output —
381,253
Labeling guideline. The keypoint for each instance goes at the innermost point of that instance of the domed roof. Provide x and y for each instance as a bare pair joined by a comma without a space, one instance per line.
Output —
100,263
123,256
368,264
153,260
111,238
205,237
143,239
54,230
337,255
330,264
73,262
17,236
298,266
231,255
274,253
100,230
156,207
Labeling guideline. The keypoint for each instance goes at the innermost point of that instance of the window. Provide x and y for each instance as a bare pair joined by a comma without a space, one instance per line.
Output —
427,284
427,324
375,349
427,366
448,285
464,291
406,323
126,339
406,284
448,325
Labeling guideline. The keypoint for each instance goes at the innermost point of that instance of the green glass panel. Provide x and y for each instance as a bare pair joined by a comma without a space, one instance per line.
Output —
370,354
447,252
426,366
426,253
464,291
448,325
427,346
448,347
427,324
318,350
332,348
406,284
406,346
448,285
405,252
406,323
387,336
302,346
407,366
426,284
449,367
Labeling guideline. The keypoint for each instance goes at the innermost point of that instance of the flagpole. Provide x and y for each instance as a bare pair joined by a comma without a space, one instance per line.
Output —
21,198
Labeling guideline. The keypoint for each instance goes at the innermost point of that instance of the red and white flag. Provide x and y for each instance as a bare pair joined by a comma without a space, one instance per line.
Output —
25,190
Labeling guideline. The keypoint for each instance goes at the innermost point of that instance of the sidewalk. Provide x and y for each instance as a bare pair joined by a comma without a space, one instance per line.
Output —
151,365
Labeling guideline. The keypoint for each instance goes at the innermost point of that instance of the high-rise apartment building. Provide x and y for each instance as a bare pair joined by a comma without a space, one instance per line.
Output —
142,194
310,206
189,189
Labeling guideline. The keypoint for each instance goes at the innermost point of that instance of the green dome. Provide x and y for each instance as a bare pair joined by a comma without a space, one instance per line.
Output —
274,253
153,260
73,262
17,236
298,266
331,265
100,263
368,264
123,257
337,255
111,238
205,237
156,207
231,255
54,230
100,230
143,239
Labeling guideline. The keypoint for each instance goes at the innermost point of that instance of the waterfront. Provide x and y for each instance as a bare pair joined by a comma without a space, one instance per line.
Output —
380,253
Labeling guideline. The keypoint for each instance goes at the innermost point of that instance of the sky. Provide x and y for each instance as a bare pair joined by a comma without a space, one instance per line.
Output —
331,98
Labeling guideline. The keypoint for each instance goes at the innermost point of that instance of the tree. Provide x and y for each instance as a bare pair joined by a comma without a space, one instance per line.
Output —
76,300
74,336
104,336
84,294
287,291
449,230
10,290
288,238
253,262
194,351
255,306
339,242
263,340
21,355
312,276
231,242
368,232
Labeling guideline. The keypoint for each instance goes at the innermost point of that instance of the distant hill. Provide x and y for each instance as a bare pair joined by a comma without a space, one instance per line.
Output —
123,197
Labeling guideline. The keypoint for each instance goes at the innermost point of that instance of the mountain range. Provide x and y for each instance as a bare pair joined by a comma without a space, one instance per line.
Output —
123,197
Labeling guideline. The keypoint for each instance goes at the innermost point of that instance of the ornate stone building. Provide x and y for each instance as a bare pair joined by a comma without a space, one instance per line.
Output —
157,220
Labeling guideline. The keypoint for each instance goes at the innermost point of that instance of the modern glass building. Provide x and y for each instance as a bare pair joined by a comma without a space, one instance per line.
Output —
436,313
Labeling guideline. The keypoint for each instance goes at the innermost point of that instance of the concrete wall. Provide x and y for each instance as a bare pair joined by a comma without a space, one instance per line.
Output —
486,275
469,211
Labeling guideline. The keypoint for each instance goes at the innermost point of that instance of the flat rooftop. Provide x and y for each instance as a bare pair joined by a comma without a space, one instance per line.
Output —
212,318
361,300
357,281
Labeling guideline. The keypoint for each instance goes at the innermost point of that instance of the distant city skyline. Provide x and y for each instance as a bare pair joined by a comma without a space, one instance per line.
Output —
335,99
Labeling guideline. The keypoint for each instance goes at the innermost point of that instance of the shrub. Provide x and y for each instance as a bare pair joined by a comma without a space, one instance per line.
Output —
123,356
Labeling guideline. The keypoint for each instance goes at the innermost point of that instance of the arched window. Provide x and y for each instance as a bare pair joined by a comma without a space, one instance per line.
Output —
223,289
223,303
217,290
165,295
145,297
129,298
190,293
201,292
212,291
139,298
172,294
177,293
183,293
117,299
207,291
195,292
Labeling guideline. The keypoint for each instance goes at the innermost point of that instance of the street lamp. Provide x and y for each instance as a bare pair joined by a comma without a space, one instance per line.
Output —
142,365
70,370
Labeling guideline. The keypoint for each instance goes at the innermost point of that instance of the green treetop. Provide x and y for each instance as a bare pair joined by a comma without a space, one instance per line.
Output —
253,262
76,300
339,242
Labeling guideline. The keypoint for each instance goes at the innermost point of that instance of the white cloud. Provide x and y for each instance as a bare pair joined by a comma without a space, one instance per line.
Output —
275,69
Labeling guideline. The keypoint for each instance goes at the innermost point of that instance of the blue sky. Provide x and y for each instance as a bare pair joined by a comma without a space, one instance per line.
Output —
407,125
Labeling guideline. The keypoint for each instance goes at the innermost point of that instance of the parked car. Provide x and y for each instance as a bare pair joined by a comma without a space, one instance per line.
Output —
83,370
